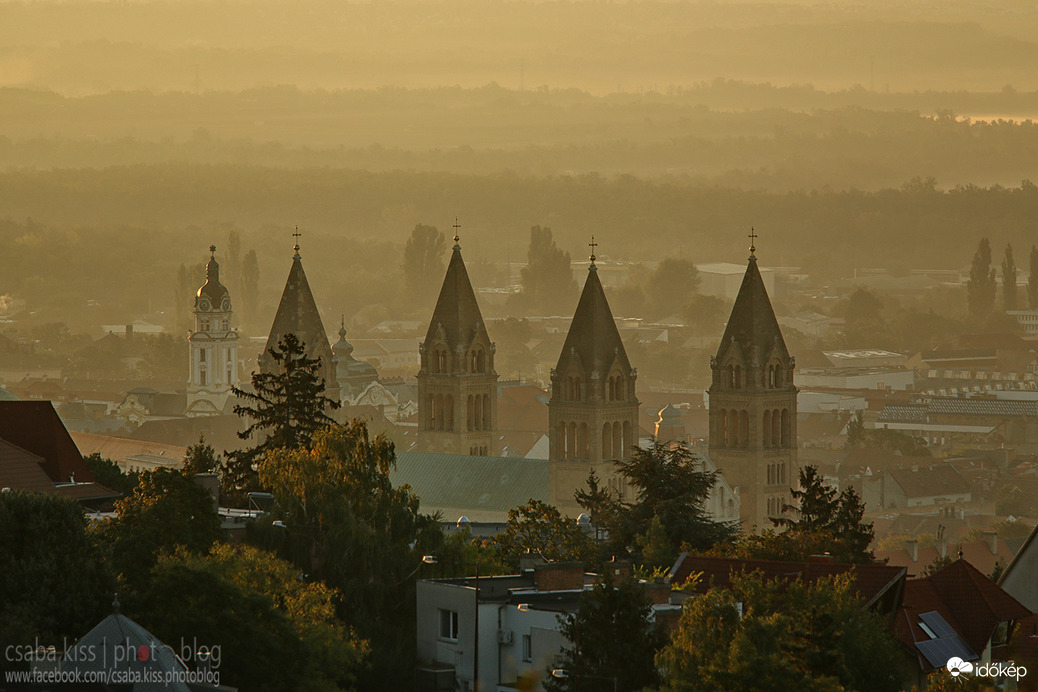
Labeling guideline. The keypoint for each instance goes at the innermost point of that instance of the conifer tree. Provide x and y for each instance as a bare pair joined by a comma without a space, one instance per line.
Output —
981,285
286,407
1009,280
1032,280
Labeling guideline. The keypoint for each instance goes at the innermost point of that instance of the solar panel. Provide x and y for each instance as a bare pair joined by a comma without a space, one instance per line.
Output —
938,624
938,651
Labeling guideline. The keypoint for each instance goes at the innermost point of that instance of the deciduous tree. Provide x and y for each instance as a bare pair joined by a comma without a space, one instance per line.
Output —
423,261
769,635
547,278
538,527
167,510
54,581
343,522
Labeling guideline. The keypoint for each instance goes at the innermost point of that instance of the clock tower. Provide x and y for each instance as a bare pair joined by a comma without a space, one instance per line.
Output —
213,346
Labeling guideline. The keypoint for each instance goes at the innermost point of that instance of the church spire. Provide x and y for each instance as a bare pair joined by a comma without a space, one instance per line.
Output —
457,383
298,314
457,312
752,324
593,411
593,340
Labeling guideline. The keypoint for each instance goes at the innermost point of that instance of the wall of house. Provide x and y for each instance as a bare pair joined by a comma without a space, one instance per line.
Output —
1021,580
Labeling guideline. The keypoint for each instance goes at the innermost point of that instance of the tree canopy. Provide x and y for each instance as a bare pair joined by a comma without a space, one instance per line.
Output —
167,510
781,634
54,580
538,527
342,521
547,279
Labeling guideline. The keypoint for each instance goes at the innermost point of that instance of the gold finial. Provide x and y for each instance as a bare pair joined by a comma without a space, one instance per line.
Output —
456,227
592,245
212,251
296,236
753,238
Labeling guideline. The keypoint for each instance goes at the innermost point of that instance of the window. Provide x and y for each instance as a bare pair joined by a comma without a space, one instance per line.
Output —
527,648
201,355
449,625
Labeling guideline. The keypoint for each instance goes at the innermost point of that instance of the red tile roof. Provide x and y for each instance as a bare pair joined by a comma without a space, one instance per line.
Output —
871,581
35,427
971,603
21,470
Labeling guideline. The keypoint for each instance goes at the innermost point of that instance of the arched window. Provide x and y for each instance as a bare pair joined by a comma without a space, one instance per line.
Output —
469,412
628,442
776,428
619,388
448,404
786,428
618,443
733,429
766,427
571,440
561,443
731,375
744,428
583,442
607,442
738,377
441,360
486,412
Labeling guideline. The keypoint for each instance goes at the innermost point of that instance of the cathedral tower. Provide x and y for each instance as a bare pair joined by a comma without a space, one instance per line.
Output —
457,383
753,405
213,345
297,314
593,411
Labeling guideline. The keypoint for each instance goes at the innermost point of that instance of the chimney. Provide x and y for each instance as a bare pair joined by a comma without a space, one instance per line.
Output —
619,569
129,332
559,576
912,548
991,539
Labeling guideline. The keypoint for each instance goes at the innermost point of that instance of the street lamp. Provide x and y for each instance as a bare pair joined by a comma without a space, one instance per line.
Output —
562,674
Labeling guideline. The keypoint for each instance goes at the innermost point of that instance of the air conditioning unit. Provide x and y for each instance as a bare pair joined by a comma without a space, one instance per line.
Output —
504,636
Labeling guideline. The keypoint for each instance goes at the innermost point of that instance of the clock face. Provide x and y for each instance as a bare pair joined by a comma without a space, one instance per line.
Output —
203,305
226,305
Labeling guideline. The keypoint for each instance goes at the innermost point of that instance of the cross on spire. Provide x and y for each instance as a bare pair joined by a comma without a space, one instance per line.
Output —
296,235
592,245
456,227
753,237
212,250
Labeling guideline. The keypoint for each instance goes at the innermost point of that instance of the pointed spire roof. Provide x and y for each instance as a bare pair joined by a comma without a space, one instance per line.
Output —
457,311
593,337
297,314
752,323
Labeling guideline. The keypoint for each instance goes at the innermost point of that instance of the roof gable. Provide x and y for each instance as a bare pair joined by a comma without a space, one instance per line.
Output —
35,427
